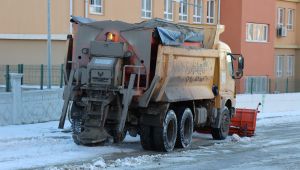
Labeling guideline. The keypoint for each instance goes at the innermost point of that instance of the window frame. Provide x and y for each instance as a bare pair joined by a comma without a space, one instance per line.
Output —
96,6
181,14
195,12
290,65
255,29
291,18
167,13
279,17
210,19
145,11
279,65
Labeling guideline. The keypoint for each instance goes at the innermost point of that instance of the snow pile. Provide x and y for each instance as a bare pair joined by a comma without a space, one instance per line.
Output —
269,119
134,161
237,138
100,163
284,102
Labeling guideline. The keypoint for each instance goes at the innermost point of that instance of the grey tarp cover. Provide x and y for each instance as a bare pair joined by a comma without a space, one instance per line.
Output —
78,19
169,33
174,38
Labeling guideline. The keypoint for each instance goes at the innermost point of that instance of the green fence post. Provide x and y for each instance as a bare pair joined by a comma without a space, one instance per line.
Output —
287,85
42,77
61,75
251,89
22,71
7,88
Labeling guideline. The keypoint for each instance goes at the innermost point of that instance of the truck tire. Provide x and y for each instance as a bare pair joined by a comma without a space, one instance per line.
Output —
165,136
76,123
185,128
146,137
222,132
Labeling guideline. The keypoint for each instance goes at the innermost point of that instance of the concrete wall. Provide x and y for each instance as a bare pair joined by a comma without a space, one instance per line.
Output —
25,107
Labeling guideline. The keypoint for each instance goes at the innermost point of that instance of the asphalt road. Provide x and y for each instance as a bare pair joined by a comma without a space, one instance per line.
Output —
273,147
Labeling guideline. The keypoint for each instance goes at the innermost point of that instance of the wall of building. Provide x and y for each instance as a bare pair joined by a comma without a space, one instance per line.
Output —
31,52
130,10
297,59
291,34
30,17
298,23
231,17
23,36
259,56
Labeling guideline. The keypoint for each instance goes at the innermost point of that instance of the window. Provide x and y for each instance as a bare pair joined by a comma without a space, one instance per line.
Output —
197,17
168,13
290,24
183,11
279,66
290,65
257,32
146,9
280,17
210,11
96,6
256,84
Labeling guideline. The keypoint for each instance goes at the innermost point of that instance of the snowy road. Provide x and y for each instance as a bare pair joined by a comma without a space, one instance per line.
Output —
276,146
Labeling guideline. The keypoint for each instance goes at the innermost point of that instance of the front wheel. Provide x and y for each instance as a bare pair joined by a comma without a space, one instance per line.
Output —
222,132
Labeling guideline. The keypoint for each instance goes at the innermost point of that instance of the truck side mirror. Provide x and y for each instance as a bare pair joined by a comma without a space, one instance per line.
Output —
241,62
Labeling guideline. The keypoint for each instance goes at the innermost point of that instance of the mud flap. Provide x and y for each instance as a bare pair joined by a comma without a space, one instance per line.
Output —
67,94
127,97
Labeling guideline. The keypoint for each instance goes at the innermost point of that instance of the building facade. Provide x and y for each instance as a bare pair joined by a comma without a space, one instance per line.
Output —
287,46
23,33
250,31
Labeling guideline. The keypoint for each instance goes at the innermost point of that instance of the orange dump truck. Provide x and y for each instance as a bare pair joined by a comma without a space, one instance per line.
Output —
155,79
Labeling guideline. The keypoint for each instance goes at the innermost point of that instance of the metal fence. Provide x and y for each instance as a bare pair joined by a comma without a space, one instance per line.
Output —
33,75
264,85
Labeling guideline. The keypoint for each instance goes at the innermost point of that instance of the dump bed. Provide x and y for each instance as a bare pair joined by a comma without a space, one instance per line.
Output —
185,73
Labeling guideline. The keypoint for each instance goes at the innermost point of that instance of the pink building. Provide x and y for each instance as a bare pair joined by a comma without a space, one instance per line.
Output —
251,31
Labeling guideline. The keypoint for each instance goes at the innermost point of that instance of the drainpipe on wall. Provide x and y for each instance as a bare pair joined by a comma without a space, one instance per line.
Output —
71,13
86,4
219,11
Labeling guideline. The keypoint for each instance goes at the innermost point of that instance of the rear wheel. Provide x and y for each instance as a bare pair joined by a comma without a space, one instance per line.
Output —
76,117
222,132
185,129
165,136
146,137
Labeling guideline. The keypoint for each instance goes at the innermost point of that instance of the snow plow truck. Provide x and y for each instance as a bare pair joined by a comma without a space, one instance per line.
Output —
159,80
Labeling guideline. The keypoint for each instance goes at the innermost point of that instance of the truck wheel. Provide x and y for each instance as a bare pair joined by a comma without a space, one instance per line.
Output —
165,136
146,137
222,132
185,129
76,117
